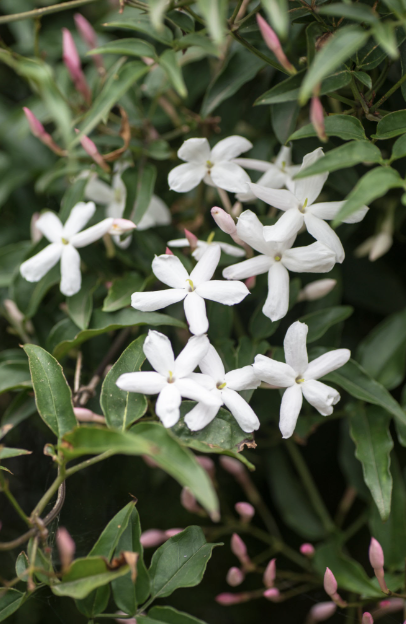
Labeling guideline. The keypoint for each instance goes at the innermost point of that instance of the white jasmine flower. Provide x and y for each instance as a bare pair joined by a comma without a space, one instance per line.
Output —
299,209
65,239
224,386
215,167
276,176
201,247
193,289
171,380
299,377
276,259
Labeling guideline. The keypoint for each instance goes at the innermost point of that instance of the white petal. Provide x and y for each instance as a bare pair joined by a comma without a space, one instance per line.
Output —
80,214
227,293
290,409
242,412
115,209
243,378
326,363
274,373
195,312
178,242
319,395
231,250
200,416
184,178
274,178
206,381
315,258
328,210
284,158
201,247
254,164
92,234
159,353
71,277
192,390
357,216
157,214
251,231
277,302
310,188
230,148
230,177
169,270
191,355
206,266
51,227
167,405
287,226
98,191
195,151
36,267
295,347
321,231
284,200
123,244
142,382
151,301
248,268
212,365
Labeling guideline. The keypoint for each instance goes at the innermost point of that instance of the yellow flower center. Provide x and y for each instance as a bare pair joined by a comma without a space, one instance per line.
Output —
171,378
209,164
220,386
210,237
299,380
65,241
302,208
278,258
191,285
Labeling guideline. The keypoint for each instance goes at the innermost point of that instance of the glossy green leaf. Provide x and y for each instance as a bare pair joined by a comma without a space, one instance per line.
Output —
169,615
321,321
214,13
277,13
5,452
342,126
80,306
10,602
140,23
370,432
170,64
86,575
364,78
74,194
127,47
53,396
120,408
146,177
399,148
391,125
14,375
11,256
358,12
180,562
197,39
337,50
284,119
22,565
384,35
120,291
288,90
347,155
29,295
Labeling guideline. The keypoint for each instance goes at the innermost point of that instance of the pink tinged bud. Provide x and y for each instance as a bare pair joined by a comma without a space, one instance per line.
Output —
188,501
321,612
38,131
273,43
233,466
330,583
225,221
238,547
376,556
91,149
152,537
272,594
231,599
85,415
172,532
168,252
235,577
122,226
66,547
73,65
317,118
270,574
317,289
389,606
250,282
86,31
208,464
246,511
192,239
307,550
367,618
126,621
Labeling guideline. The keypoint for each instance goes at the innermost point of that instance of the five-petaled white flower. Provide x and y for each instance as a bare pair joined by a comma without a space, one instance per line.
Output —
276,260
224,386
65,239
202,246
193,288
299,208
171,380
214,166
299,377
277,174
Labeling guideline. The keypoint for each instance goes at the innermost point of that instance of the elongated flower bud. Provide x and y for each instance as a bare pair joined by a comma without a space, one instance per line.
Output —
238,547
307,550
272,594
121,226
330,583
246,511
188,501
271,39
192,239
250,282
235,577
66,547
172,532
85,415
168,252
376,558
225,221
233,466
88,35
231,599
73,65
38,131
367,618
317,118
270,574
91,149
152,537
126,621
321,612
208,464
316,290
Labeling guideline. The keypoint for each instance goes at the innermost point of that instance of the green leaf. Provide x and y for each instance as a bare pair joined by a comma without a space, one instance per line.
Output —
141,23
288,90
338,49
10,601
22,565
170,64
11,256
120,291
74,194
376,183
180,562
14,375
284,118
358,12
399,148
127,47
384,35
53,396
391,125
28,295
342,126
65,336
370,432
347,155
146,177
214,13
319,322
364,79
197,39
277,12
169,615
120,408
85,575
80,306
5,453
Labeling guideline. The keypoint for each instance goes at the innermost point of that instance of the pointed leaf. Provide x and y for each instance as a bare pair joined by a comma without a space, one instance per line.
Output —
321,321
120,291
5,452
170,64
288,90
214,13
391,125
10,601
86,575
347,155
342,126
127,47
169,615
277,12
80,306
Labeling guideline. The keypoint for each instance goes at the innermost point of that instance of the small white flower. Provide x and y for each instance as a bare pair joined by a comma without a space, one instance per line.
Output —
277,174
171,380
299,377
224,386
65,239
193,289
299,209
201,247
276,259
215,167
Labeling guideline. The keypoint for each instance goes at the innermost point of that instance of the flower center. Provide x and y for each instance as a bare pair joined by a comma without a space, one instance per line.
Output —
65,241
299,380
171,378
278,258
283,165
210,237
209,164
191,285
117,195
220,385
302,208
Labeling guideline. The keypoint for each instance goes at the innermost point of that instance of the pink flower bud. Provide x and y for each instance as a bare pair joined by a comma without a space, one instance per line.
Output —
38,131
88,35
330,583
172,532
392,605
320,612
225,221
231,599
66,547
246,511
152,537
376,556
208,464
273,43
168,252
125,621
233,466
317,289
91,149
367,618
382,242
85,415
238,547
250,282
317,118
270,574
272,594
235,577
307,550
188,501
122,226
73,65
192,239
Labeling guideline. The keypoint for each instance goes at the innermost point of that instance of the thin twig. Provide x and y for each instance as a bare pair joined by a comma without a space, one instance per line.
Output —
35,13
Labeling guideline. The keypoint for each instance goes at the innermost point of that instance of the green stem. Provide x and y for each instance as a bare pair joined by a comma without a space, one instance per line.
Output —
312,491
358,96
354,527
39,508
235,12
88,462
257,53
55,8
5,489
145,605
247,17
388,93
340,98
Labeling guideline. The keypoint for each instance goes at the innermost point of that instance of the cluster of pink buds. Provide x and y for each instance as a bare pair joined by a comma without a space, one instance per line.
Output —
271,39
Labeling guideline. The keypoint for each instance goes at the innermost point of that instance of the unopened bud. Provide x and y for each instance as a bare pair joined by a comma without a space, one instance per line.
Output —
172,532
381,244
317,118
316,290
233,466
367,618
152,537
270,574
13,313
168,252
321,612
307,550
38,131
192,239
66,547
272,594
330,583
250,282
236,210
73,65
121,226
235,577
377,561
125,621
188,501
271,39
88,35
246,511
231,599
85,415
35,233
225,221
238,547
90,148
392,605
208,464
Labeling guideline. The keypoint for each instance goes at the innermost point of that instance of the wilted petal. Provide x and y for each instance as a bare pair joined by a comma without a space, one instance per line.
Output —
195,312
327,363
321,231
243,378
227,293
159,353
290,409
295,347
200,416
230,177
248,268
310,188
195,151
169,270
242,412
273,372
92,234
143,382
184,178
191,355
167,405
206,266
151,301
282,199
98,191
79,216
319,395
277,301
287,226
315,258
51,227
36,267
71,277
230,148
196,392
251,231
212,365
